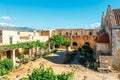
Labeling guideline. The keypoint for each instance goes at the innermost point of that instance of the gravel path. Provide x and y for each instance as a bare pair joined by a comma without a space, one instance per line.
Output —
55,61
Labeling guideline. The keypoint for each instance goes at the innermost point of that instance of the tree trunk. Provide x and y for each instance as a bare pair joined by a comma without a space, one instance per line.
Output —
67,48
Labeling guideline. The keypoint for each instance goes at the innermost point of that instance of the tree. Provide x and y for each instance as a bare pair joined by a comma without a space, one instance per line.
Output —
35,44
57,40
68,44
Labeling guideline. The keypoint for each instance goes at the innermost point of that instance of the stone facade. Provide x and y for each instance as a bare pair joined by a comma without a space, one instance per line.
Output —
111,24
78,36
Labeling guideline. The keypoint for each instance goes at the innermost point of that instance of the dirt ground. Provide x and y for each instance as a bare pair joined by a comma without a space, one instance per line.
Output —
55,61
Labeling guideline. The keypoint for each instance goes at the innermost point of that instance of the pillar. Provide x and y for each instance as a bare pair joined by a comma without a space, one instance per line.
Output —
13,53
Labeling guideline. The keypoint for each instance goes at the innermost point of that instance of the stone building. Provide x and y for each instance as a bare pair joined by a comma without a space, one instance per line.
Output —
45,35
78,36
110,23
13,35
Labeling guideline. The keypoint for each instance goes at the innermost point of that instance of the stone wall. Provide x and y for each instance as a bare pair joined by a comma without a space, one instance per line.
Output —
116,47
105,61
78,36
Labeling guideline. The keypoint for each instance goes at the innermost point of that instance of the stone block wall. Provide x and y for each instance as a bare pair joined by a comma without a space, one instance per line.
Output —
105,61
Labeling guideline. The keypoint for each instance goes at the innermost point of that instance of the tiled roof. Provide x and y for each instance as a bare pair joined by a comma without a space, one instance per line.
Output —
103,38
117,15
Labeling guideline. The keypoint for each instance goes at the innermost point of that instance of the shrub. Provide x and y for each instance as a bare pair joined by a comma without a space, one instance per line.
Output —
79,48
65,76
39,54
21,56
46,53
47,74
54,51
7,64
25,60
69,57
24,78
42,74
3,71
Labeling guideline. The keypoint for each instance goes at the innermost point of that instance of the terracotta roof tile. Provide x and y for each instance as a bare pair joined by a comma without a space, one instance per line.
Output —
103,38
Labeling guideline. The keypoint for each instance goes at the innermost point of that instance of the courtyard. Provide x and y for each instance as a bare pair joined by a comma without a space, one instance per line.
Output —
55,61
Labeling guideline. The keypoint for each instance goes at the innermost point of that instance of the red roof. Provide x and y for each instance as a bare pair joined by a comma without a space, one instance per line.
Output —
103,38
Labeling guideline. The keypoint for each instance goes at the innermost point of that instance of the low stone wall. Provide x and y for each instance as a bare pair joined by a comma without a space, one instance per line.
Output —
105,61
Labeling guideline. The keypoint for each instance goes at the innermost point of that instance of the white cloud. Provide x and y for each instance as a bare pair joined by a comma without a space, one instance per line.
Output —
6,24
95,25
6,17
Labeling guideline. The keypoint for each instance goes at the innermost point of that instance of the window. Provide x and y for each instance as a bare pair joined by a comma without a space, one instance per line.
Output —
66,33
81,32
90,33
18,33
8,54
76,33
10,40
70,34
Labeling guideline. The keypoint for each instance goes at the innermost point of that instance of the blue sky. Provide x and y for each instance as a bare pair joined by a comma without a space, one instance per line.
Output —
44,14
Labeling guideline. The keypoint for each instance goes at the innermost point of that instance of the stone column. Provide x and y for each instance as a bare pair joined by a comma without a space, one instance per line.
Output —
13,54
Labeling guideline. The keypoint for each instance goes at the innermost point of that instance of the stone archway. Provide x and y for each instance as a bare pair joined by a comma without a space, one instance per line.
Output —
87,43
74,44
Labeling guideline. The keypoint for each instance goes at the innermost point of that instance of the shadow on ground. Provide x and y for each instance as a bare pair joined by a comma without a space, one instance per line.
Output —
57,58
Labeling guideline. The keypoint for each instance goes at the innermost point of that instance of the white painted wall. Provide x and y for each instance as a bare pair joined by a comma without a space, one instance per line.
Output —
44,38
104,47
33,36
6,35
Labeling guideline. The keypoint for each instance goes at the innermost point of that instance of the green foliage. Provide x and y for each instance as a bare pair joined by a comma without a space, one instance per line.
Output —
24,78
68,43
22,56
25,60
24,45
57,39
46,53
87,48
69,57
42,74
39,54
7,64
40,44
3,71
65,76
80,47
54,51
47,74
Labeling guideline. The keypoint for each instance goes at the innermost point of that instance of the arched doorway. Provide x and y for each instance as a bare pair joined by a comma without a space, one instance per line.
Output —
87,43
74,44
